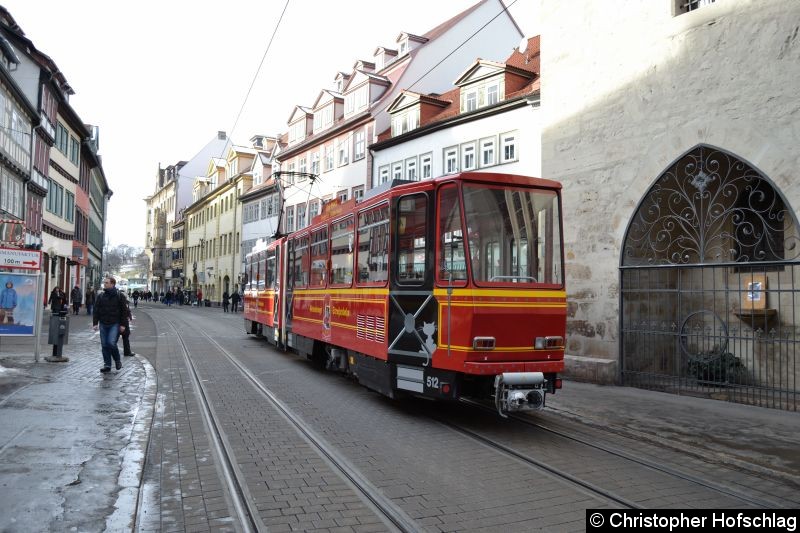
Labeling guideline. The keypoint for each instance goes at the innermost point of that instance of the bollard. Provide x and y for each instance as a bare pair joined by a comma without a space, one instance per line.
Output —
58,336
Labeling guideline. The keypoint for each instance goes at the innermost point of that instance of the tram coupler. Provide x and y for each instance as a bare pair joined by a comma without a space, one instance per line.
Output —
519,391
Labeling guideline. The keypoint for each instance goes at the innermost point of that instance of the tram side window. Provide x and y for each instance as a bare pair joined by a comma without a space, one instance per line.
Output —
373,245
452,256
412,229
260,271
298,262
342,241
272,264
319,258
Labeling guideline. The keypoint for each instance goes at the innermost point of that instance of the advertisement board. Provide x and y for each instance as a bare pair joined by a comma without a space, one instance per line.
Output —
18,299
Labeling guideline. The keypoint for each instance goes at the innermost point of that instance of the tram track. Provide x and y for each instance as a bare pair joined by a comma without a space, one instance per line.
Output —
651,465
560,474
234,482
392,514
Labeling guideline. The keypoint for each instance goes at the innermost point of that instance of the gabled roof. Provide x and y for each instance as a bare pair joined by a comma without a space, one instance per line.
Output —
482,69
408,98
411,37
363,65
298,109
530,58
240,150
383,49
325,97
361,76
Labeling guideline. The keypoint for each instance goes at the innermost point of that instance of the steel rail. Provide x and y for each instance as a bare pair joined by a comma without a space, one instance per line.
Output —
394,514
534,463
248,516
658,467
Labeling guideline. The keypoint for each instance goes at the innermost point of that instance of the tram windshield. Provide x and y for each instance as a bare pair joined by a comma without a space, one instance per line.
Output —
513,235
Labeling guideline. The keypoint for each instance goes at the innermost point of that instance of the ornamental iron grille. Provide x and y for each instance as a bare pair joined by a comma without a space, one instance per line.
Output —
709,285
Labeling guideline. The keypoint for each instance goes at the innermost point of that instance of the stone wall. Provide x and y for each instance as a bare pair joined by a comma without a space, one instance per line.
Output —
629,89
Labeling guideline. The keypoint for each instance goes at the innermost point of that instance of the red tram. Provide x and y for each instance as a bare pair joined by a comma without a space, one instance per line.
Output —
443,288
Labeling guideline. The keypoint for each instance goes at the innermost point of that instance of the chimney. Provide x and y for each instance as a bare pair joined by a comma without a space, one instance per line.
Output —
221,135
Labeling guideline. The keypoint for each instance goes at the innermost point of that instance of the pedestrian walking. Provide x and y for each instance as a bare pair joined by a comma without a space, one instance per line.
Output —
126,333
235,301
111,316
226,300
76,297
89,300
58,300
136,296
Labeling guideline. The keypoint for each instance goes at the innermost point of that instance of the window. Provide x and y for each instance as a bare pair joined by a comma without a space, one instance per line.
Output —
74,150
425,166
301,216
328,157
373,245
468,156
358,193
383,175
411,231
288,179
344,151
471,101
403,48
233,168
397,170
452,263
55,197
492,94
290,219
11,195
303,168
360,145
315,163
488,152
298,261
451,160
684,6
342,196
313,210
508,147
62,139
411,169
342,252
319,258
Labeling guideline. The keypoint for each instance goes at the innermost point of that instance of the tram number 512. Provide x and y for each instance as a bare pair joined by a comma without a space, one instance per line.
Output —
432,382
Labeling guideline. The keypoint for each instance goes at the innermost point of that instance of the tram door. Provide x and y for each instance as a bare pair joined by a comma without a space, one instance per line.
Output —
413,330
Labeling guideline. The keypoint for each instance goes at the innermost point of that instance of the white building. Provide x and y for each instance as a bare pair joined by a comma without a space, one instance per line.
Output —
330,139
261,204
489,123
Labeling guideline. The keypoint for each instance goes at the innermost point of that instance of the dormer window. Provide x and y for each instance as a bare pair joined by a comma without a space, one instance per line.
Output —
356,100
405,121
233,167
403,47
323,118
471,103
297,131
339,85
493,94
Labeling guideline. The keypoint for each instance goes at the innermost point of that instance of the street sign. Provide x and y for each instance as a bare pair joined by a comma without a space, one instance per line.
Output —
24,259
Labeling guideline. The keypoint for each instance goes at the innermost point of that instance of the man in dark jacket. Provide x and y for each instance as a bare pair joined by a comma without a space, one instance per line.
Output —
75,297
111,315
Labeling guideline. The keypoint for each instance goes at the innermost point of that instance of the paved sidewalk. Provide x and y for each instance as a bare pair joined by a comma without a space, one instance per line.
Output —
72,440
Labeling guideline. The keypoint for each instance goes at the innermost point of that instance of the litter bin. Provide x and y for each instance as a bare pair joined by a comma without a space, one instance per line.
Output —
207,302
58,335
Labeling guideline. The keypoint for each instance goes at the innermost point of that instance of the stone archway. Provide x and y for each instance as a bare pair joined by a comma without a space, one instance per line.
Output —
710,284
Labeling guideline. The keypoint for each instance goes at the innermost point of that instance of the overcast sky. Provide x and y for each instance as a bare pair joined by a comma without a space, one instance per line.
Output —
160,78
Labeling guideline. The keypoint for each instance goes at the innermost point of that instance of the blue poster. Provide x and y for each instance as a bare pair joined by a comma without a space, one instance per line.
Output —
18,297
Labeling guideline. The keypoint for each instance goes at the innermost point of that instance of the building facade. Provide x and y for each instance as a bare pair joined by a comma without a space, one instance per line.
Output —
329,140
673,127
212,242
165,207
489,123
